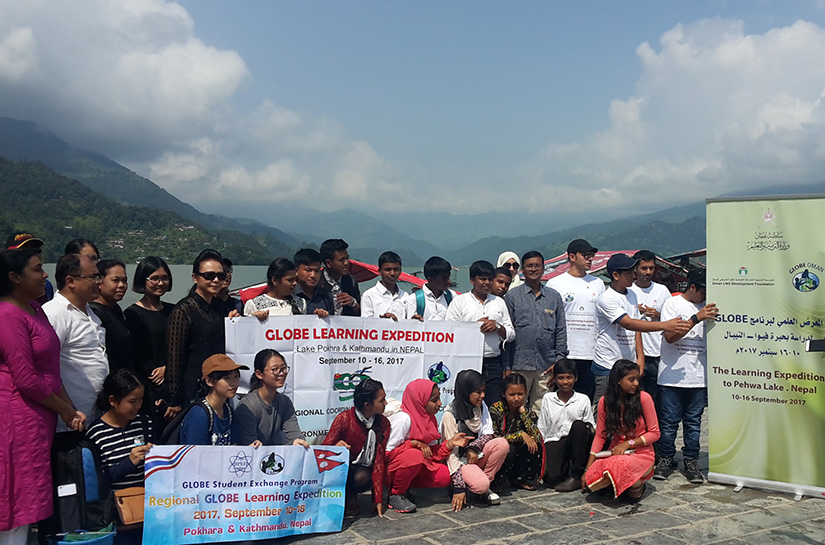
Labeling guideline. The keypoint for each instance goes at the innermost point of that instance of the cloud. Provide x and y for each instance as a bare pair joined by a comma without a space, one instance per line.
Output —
716,110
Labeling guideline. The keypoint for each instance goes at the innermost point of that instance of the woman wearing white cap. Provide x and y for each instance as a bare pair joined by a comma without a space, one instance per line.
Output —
510,260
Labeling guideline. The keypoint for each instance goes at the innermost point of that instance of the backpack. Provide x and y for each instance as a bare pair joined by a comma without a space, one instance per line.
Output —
171,434
421,301
82,497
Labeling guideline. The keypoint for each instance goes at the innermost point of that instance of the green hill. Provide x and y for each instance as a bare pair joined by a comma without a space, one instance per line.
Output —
58,209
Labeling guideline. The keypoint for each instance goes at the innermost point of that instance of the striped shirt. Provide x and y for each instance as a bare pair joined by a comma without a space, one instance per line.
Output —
115,445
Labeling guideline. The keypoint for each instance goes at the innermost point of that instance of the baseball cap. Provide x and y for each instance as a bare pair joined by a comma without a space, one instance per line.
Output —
20,238
697,277
620,262
219,362
580,246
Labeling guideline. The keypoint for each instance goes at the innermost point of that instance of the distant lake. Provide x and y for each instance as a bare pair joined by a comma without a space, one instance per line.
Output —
244,275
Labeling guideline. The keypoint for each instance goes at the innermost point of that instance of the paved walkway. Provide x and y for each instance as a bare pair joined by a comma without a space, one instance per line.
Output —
670,512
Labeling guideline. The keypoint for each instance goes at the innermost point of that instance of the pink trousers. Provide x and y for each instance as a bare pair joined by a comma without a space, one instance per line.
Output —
478,476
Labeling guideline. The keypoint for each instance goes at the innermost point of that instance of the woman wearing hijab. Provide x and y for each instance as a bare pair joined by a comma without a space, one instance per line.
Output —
510,260
474,466
415,455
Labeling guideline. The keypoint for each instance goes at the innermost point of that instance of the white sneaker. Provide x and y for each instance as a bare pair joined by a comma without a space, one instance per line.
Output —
490,498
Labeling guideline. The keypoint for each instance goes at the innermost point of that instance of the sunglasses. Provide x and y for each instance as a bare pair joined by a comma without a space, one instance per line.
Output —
210,275
511,265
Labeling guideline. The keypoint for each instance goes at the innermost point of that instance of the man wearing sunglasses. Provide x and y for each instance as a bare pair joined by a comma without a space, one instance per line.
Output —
83,361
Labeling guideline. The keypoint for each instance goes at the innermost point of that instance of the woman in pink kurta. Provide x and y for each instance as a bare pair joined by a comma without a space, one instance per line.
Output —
31,396
626,422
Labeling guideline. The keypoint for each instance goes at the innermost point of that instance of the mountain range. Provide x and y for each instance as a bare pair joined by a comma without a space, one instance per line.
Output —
459,238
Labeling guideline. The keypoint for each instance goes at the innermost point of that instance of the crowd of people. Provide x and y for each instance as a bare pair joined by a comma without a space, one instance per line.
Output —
632,353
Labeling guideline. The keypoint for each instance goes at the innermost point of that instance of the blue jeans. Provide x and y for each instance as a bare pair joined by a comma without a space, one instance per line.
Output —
684,405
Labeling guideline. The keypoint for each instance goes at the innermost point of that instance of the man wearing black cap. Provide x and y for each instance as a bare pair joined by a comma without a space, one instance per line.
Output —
620,323
22,239
683,378
580,291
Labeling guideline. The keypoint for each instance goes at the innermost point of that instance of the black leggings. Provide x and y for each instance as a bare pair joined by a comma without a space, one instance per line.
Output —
359,479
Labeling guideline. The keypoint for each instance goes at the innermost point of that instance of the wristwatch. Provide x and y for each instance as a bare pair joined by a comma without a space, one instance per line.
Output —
694,319
631,442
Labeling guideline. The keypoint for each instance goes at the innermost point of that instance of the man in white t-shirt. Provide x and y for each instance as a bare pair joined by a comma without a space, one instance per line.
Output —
479,305
620,323
650,296
683,378
579,291
385,299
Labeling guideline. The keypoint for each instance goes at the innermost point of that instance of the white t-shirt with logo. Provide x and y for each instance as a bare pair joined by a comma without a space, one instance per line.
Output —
684,363
613,342
579,296
653,296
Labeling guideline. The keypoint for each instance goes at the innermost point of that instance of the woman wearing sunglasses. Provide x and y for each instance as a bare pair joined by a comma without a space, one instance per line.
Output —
510,260
195,332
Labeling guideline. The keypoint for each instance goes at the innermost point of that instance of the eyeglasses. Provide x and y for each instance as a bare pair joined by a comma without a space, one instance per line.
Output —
210,275
95,278
511,265
159,279
588,255
280,370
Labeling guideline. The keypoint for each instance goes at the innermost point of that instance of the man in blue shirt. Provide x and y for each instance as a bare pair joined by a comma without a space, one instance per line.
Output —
537,313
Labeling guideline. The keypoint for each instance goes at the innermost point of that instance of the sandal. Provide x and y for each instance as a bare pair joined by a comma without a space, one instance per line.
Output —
635,493
527,485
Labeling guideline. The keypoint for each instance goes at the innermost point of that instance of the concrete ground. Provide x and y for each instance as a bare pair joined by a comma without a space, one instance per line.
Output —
671,512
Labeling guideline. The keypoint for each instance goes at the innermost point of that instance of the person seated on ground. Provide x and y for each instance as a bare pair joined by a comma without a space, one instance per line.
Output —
484,454
501,282
385,299
479,305
211,420
318,300
122,433
626,422
112,288
517,424
264,414
415,455
510,261
279,298
566,423
434,297
364,430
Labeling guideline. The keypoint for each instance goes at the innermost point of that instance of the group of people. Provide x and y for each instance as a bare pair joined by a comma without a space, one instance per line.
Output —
72,361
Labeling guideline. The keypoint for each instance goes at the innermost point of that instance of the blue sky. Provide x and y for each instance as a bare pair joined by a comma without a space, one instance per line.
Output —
467,107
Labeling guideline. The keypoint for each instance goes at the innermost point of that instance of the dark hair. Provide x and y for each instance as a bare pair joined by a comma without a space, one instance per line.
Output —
145,268
215,376
366,392
482,268
503,270
13,261
565,366
330,246
261,359
67,265
278,269
118,384
621,410
666,278
530,255
75,246
437,266
388,257
227,264
513,379
644,255
104,265
206,255
306,257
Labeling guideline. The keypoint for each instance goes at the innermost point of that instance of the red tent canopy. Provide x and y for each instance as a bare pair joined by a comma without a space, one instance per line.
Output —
361,271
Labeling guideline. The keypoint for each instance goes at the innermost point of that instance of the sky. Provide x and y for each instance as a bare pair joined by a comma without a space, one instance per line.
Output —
596,108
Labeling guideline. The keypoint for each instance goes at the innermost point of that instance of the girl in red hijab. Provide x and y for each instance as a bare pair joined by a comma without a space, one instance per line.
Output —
416,458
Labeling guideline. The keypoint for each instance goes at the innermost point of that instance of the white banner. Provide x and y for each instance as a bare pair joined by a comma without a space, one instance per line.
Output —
329,357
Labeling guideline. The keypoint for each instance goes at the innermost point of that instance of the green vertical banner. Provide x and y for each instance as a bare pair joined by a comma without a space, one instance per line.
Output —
766,259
